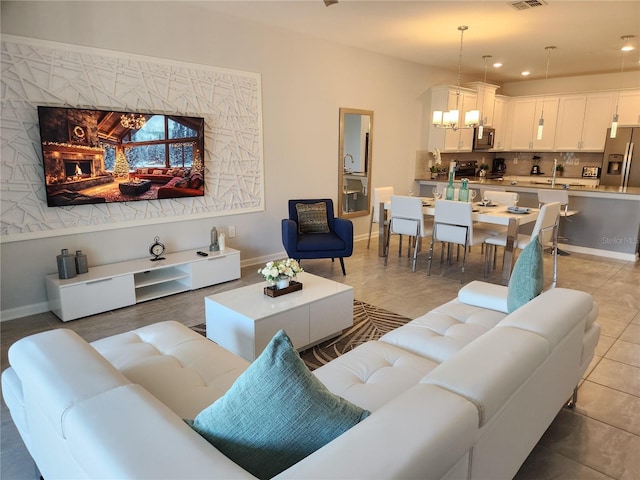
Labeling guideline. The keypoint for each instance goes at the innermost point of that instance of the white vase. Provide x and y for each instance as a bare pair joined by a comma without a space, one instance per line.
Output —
283,282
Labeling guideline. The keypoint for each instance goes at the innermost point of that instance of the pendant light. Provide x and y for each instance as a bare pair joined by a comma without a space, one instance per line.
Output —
549,49
486,58
451,119
626,47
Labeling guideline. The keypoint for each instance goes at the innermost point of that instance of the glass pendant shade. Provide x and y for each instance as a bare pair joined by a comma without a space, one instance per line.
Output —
472,118
614,126
540,128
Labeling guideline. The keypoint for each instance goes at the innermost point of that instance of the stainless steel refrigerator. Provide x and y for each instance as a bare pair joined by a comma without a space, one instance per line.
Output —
621,162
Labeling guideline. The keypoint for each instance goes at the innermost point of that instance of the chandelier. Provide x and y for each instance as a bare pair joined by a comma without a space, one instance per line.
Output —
133,121
451,119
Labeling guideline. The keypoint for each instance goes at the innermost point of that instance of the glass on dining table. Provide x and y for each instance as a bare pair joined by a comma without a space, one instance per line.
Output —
472,195
485,200
515,199
436,193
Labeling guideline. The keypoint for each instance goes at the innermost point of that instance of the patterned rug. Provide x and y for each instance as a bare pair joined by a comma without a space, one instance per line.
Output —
369,323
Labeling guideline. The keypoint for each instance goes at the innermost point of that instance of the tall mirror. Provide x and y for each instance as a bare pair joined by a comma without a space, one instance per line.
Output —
354,162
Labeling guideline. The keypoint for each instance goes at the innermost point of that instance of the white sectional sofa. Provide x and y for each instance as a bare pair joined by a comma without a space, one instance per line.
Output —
463,392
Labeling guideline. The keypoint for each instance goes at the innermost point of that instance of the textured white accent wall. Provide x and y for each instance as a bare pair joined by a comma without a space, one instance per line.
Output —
36,72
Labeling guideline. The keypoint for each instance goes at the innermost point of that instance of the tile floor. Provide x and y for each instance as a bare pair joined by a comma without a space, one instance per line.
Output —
599,439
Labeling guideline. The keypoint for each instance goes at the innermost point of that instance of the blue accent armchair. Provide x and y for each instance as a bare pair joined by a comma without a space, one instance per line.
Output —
337,243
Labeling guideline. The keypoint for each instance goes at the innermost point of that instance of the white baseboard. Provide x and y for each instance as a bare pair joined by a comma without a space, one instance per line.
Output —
24,311
629,257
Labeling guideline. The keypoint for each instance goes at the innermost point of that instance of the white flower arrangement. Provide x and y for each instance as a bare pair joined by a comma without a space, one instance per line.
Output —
279,268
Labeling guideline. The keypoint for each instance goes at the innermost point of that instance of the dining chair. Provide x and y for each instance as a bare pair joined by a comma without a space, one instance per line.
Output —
500,198
562,197
496,197
545,228
453,224
407,219
380,194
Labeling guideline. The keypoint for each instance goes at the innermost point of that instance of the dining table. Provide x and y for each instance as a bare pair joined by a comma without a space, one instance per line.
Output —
492,214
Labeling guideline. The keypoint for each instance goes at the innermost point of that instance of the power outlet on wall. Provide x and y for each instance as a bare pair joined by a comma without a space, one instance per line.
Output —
232,231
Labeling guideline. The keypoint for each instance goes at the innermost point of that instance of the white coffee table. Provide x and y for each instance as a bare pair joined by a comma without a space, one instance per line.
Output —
245,319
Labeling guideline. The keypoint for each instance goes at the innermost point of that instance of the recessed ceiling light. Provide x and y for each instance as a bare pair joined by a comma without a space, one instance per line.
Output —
525,73
497,65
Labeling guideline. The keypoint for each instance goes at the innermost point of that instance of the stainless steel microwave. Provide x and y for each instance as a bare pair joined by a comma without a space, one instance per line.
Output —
486,142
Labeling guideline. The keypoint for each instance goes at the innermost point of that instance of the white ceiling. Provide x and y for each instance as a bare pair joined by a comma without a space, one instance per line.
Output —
586,33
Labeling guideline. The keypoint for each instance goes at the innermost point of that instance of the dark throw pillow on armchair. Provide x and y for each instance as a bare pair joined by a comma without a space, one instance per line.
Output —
312,217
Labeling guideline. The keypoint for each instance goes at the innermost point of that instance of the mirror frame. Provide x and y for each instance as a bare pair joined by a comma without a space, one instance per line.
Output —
368,166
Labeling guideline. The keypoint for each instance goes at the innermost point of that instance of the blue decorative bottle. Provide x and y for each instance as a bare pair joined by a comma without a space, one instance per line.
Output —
450,190
463,194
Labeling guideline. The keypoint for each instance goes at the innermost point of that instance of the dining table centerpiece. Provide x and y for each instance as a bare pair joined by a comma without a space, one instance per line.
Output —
281,274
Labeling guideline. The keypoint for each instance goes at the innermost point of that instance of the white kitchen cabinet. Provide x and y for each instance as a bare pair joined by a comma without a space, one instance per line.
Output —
445,98
524,116
500,122
117,285
486,96
583,121
628,107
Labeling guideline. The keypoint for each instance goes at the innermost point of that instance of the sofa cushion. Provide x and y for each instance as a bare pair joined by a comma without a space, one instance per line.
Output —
373,373
312,217
184,370
527,278
276,413
444,331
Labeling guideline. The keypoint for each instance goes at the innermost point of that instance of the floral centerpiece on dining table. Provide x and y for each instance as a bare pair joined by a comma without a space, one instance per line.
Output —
281,272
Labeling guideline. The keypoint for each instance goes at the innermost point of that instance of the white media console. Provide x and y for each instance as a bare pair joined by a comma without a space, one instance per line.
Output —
117,285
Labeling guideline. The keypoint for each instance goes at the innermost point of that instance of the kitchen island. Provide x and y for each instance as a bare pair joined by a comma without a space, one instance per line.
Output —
608,218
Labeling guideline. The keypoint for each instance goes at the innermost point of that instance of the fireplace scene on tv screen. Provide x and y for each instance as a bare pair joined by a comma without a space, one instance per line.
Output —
99,156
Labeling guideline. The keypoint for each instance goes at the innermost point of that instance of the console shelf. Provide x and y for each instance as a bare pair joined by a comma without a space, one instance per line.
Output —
117,285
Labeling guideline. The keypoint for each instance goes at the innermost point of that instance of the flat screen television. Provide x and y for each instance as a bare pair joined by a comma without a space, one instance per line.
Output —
103,156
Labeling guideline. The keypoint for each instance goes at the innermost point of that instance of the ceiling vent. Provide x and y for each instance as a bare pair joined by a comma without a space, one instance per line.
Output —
527,4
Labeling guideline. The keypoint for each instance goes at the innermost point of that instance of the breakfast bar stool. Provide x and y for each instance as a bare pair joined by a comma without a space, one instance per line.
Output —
561,197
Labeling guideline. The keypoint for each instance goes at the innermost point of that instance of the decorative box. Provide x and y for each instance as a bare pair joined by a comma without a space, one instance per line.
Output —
272,291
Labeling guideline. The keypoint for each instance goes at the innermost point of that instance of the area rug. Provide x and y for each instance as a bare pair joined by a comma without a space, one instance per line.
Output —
369,323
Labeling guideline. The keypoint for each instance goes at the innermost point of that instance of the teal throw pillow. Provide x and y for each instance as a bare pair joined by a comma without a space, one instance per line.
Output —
276,413
527,278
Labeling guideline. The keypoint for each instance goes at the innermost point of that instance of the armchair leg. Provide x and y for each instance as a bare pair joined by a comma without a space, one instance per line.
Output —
342,265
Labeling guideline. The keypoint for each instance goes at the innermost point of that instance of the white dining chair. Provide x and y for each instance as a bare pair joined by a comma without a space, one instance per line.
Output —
562,197
545,228
453,224
380,194
496,197
407,219
500,198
